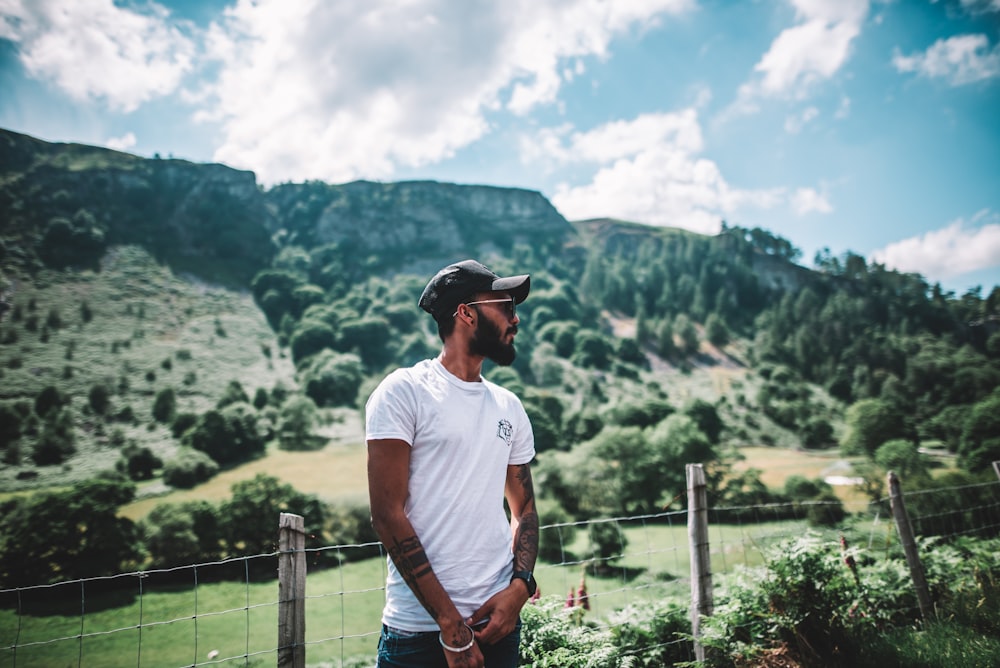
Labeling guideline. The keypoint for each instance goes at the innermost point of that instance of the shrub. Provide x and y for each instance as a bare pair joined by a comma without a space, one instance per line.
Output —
165,405
57,440
138,462
333,379
189,468
49,398
99,398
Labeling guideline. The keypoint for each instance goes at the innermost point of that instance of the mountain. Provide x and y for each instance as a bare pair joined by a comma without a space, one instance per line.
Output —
135,285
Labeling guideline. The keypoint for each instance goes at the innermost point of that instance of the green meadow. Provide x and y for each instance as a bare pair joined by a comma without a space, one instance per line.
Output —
177,623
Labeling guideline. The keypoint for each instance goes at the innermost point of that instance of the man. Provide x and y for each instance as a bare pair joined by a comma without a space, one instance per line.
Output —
445,446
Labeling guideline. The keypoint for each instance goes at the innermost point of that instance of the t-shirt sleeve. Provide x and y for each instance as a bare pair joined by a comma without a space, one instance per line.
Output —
390,410
522,449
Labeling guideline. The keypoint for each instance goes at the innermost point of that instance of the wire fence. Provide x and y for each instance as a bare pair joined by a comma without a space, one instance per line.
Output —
227,612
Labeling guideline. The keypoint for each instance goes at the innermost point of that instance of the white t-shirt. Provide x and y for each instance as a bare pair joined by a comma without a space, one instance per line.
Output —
462,437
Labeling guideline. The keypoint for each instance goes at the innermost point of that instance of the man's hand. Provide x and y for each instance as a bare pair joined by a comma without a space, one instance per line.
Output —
460,636
503,610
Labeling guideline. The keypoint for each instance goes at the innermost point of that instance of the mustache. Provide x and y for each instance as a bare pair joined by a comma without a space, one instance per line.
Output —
512,329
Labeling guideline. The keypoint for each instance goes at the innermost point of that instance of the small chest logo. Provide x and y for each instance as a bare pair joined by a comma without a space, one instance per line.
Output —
505,431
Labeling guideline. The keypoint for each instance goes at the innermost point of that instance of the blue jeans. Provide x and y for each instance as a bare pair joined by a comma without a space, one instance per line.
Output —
421,649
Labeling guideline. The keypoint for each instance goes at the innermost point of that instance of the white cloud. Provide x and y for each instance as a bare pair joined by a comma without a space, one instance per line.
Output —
811,51
962,59
809,200
337,91
649,170
122,143
958,248
98,50
794,124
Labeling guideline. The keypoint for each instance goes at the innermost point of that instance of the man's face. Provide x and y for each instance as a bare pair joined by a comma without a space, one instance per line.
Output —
492,340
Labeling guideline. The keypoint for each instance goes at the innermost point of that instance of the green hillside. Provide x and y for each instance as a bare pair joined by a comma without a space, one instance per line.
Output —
180,325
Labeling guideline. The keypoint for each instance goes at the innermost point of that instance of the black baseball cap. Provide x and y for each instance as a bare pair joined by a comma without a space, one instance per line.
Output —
457,282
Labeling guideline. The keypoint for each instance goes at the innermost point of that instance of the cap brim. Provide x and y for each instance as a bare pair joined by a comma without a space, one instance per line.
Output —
517,286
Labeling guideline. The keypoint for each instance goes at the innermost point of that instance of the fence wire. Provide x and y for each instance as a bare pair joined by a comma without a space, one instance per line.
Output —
225,612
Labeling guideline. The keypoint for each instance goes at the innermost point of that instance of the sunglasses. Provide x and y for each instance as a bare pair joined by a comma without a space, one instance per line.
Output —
510,308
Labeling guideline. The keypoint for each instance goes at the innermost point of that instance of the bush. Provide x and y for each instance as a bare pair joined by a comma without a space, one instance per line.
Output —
333,379
229,436
49,398
189,468
138,463
57,440
165,405
99,398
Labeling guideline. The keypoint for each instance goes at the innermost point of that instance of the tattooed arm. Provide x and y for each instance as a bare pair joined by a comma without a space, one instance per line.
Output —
388,483
504,608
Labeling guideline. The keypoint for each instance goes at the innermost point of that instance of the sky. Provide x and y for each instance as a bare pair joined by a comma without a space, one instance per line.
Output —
869,126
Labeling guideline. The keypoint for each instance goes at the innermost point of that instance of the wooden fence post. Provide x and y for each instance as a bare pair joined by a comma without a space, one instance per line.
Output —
701,565
291,591
909,546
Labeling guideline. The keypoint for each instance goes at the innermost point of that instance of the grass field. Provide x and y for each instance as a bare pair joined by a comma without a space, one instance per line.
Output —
181,623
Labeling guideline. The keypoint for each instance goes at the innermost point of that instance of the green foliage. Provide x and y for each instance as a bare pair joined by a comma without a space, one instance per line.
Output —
553,541
980,442
902,457
189,468
593,350
165,405
49,398
607,545
296,423
138,462
249,517
310,338
10,424
228,436
870,423
234,394
83,536
818,603
333,379
706,417
57,440
178,534
99,398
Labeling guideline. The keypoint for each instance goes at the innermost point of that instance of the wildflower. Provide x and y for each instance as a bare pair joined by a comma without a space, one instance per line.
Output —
581,595
570,599
849,559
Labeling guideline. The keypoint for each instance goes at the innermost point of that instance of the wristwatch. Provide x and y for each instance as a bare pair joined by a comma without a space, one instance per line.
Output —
529,580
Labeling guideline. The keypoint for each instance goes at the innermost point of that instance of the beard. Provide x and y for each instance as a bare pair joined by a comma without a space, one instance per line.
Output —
487,341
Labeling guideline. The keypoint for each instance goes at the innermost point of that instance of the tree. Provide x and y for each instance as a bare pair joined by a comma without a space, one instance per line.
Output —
333,379
99,398
707,418
249,519
189,468
684,331
49,398
165,405
296,423
903,458
870,423
980,442
138,463
178,534
716,331
228,436
311,337
84,535
234,393
592,350
57,440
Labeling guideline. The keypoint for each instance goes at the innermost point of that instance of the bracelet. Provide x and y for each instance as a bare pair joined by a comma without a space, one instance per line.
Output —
458,650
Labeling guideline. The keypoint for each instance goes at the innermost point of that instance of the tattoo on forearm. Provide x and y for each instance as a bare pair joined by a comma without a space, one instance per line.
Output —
526,537
412,563
526,542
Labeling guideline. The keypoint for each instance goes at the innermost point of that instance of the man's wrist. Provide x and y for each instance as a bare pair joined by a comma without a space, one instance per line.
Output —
528,579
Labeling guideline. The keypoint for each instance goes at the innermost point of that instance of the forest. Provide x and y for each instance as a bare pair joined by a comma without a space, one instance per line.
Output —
164,322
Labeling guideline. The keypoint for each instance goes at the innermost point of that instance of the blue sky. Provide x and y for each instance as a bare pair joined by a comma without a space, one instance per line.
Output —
869,126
